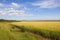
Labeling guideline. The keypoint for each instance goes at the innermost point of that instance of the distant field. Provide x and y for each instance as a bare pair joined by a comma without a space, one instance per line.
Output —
45,29
53,26
29,30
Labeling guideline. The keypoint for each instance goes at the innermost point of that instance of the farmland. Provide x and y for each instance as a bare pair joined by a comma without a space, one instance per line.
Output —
30,30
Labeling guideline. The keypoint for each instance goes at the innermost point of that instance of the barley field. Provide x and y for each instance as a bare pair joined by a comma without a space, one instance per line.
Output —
29,30
53,26
45,29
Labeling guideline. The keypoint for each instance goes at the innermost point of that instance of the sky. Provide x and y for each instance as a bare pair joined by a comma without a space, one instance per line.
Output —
30,9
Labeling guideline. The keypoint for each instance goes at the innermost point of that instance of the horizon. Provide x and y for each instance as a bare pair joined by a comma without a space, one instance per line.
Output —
30,9
30,20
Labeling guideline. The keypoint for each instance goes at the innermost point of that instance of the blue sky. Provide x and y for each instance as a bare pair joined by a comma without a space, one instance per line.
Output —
30,9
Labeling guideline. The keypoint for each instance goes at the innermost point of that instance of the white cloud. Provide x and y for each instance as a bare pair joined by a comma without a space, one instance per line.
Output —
2,13
47,4
12,11
15,4
13,14
16,12
1,4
